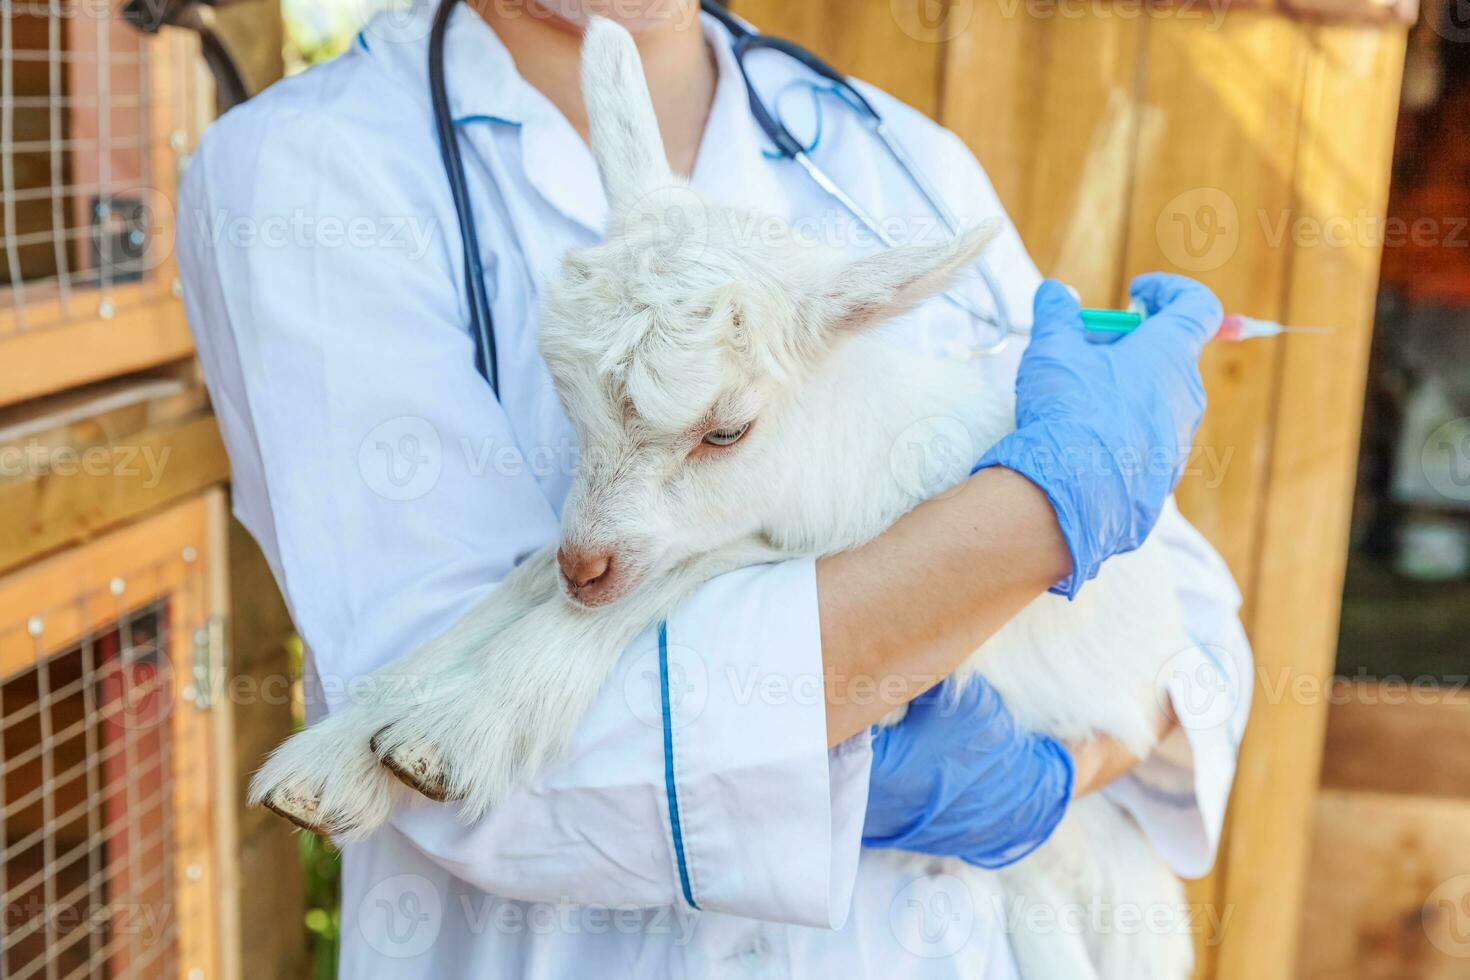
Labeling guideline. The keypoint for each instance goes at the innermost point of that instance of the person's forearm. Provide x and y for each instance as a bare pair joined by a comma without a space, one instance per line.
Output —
1099,761
903,611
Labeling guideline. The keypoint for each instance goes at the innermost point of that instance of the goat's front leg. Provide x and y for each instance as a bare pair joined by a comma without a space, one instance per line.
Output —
327,778
512,706
507,708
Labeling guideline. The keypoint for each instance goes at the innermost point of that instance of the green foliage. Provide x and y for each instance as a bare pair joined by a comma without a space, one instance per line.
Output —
322,864
319,30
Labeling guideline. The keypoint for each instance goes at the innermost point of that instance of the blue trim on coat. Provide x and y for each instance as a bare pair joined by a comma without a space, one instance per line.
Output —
670,790
481,117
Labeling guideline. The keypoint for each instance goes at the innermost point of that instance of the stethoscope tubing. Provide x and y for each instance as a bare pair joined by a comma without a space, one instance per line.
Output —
482,322
787,145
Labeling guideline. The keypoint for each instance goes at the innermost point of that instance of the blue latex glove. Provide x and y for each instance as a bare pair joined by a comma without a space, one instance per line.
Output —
1105,429
957,778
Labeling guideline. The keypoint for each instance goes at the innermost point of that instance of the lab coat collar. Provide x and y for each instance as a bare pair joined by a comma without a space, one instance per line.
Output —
485,89
479,72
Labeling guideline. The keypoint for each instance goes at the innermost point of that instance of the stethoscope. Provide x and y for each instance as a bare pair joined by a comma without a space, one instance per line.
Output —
786,146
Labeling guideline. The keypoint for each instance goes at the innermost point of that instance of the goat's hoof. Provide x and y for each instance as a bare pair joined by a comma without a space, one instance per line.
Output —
303,811
418,767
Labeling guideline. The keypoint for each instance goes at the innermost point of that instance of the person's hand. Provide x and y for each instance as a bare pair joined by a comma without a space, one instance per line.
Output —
958,778
1105,429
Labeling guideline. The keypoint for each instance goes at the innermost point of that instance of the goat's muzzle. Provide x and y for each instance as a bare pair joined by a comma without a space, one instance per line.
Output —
591,577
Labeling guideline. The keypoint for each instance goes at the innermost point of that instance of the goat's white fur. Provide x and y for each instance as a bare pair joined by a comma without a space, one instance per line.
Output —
653,336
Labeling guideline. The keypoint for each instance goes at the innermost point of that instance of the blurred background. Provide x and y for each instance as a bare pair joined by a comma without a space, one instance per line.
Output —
1309,159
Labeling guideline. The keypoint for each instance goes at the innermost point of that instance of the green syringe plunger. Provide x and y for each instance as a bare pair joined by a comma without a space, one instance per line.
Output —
1233,327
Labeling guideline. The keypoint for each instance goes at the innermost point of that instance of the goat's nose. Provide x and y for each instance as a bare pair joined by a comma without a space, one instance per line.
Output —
583,568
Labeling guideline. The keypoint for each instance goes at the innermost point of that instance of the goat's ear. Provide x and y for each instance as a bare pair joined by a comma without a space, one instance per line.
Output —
864,292
625,137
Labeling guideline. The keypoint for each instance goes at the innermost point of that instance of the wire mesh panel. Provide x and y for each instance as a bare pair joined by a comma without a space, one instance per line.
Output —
95,122
86,782
106,832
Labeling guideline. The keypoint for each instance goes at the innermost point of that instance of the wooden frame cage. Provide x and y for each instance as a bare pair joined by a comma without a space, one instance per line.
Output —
95,122
109,862
111,825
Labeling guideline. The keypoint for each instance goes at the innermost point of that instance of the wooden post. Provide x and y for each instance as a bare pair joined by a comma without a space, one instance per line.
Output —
222,746
1341,172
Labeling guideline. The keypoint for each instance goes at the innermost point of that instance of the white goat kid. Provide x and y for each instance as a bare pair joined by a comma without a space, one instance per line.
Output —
731,411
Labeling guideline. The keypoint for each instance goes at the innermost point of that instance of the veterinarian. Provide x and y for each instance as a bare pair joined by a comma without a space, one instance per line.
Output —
713,815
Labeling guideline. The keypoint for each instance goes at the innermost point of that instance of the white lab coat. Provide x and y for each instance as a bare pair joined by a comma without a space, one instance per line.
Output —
389,489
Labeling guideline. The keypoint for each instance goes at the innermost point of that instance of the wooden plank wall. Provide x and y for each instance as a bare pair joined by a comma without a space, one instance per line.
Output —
1342,168
1218,145
1390,894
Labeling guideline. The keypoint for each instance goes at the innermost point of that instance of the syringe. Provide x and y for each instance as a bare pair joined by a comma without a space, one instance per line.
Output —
1233,327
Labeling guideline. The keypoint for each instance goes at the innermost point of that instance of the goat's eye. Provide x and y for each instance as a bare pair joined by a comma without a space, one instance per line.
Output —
725,437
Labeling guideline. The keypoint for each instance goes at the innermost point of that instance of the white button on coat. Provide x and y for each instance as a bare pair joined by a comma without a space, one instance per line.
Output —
389,489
